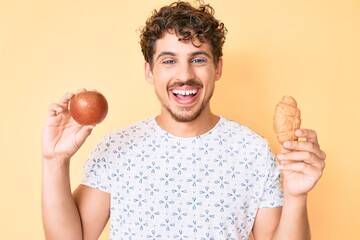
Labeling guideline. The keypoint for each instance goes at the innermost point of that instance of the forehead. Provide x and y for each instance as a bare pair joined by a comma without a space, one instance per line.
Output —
169,42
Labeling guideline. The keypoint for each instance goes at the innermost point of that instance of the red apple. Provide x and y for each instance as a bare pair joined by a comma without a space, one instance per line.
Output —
88,108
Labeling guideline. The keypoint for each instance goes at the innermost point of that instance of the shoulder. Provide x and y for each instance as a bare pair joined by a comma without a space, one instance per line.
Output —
136,131
247,143
238,130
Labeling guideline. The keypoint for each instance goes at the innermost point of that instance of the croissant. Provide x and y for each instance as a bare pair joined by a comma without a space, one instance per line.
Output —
286,119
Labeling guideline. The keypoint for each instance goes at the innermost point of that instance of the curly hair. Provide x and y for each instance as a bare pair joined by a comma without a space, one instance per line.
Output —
188,23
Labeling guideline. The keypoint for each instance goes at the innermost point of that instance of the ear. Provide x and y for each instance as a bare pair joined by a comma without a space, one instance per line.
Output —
148,73
218,70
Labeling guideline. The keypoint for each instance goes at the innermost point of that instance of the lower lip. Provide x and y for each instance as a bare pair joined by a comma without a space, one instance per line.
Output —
185,100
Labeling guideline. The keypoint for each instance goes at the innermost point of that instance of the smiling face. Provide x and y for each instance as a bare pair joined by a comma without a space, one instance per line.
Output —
183,77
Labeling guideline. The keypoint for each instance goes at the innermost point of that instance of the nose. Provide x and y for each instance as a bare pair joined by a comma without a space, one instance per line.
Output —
185,72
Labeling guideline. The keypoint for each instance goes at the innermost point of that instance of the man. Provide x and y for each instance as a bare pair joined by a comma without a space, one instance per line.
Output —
186,173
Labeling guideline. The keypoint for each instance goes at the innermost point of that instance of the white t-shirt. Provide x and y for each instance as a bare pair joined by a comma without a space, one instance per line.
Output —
167,187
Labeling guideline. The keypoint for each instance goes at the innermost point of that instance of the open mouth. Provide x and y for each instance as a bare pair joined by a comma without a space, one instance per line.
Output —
185,96
184,93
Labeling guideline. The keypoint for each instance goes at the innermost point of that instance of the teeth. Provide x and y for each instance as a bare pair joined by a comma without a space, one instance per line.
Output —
184,93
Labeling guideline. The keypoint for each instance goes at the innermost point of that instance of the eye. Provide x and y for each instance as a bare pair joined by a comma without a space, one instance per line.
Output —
169,61
198,60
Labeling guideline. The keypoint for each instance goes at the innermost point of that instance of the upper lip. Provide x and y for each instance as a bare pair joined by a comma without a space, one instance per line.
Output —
185,88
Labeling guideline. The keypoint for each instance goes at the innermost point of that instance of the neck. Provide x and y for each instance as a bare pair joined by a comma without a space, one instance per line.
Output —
202,124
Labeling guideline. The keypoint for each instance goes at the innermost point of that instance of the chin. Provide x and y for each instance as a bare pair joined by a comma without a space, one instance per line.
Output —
186,115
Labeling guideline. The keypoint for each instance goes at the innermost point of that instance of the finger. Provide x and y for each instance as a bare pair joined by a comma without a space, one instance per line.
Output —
306,157
64,100
284,150
295,167
301,157
301,167
305,146
80,90
54,109
309,134
81,136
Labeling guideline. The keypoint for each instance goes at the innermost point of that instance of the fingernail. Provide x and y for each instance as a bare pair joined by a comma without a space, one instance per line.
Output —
298,132
287,144
280,156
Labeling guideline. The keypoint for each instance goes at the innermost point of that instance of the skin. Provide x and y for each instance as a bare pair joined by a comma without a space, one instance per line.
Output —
176,63
302,164
85,212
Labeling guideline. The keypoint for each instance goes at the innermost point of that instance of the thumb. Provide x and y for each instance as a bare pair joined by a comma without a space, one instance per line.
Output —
82,135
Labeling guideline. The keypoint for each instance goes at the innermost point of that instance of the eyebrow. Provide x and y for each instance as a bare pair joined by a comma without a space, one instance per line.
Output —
168,53
200,53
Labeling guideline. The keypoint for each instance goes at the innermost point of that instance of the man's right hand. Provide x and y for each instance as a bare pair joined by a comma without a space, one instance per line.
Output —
62,136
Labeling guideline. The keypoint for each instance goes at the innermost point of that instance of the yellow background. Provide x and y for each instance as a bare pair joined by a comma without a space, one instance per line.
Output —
307,49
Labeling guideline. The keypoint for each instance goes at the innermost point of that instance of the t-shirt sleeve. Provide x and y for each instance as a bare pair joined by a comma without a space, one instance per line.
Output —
272,195
96,167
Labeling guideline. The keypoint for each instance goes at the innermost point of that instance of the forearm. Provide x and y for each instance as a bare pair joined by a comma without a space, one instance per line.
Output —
294,222
61,219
